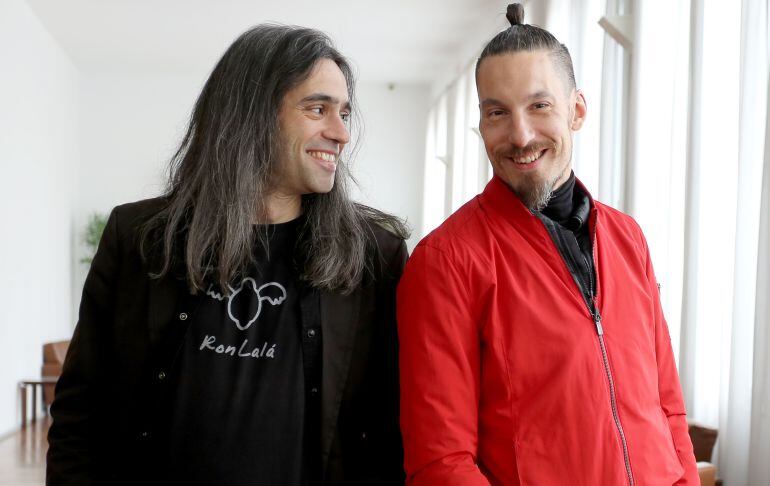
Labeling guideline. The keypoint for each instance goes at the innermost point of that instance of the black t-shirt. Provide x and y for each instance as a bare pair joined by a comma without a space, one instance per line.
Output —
237,387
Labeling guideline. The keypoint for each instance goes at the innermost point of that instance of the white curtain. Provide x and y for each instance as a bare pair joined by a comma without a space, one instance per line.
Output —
759,444
711,210
736,413
657,118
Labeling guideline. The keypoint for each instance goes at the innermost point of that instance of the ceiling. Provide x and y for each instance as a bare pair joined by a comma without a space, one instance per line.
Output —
395,41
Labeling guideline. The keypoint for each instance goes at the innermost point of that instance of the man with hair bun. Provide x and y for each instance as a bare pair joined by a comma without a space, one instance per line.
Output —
241,329
533,347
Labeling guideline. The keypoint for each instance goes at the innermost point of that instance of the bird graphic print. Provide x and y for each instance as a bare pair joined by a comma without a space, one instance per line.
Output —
243,315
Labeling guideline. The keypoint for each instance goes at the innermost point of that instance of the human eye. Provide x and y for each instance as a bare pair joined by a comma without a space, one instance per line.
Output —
345,115
317,110
495,113
541,105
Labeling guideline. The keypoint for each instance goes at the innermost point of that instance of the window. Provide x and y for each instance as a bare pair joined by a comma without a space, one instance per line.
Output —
456,167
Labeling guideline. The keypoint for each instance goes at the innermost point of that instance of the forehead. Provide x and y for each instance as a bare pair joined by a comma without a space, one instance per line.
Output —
518,75
325,78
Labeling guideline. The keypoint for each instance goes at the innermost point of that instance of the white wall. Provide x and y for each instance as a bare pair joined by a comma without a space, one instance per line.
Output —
389,167
38,155
473,43
130,126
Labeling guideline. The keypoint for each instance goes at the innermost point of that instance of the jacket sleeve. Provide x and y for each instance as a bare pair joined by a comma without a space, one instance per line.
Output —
669,388
70,451
440,372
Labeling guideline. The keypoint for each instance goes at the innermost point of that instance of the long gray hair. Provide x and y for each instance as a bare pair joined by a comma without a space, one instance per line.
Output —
224,166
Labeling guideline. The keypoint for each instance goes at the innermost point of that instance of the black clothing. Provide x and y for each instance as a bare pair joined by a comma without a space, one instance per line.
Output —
560,204
566,219
108,418
236,390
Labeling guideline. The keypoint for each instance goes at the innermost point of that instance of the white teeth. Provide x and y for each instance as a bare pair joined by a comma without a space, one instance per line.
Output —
324,156
529,159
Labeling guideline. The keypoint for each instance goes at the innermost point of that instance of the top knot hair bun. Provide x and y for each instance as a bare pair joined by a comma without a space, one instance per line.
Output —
515,13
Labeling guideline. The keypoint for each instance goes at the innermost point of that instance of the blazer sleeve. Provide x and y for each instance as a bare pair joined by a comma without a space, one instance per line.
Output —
440,372
70,451
669,387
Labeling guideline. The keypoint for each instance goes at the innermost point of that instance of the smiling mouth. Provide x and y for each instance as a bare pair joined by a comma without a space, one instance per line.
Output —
528,159
327,160
325,156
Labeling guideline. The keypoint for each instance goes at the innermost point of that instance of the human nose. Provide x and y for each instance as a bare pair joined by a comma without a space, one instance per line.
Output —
337,130
521,132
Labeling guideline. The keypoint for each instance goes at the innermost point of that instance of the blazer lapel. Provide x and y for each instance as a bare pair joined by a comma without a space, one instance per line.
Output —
339,318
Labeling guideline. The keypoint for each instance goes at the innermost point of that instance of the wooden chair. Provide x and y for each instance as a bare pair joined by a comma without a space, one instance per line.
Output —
53,359
703,441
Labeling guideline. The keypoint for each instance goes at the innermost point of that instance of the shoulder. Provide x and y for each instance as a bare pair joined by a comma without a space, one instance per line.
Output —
384,231
386,240
135,213
460,253
462,234
621,226
126,221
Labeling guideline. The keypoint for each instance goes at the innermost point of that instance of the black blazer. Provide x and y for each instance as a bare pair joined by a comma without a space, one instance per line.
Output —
106,413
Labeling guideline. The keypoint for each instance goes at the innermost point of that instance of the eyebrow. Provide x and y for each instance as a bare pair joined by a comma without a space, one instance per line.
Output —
540,94
315,97
490,101
533,96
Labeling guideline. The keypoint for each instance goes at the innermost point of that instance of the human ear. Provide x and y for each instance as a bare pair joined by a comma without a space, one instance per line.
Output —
579,111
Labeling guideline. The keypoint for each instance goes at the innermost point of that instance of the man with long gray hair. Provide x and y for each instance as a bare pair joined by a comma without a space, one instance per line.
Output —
240,329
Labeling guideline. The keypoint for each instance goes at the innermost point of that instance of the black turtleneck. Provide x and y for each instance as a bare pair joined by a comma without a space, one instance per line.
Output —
566,219
559,207
569,206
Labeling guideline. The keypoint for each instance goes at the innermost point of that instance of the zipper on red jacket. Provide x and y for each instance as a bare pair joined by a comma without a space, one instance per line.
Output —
589,292
613,402
597,317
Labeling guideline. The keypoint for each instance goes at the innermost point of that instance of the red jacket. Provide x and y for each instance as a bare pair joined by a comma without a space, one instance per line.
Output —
505,377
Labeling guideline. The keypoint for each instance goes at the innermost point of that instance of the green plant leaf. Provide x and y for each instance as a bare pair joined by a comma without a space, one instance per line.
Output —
92,234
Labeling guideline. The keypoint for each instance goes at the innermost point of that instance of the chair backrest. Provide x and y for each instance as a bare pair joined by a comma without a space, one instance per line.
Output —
53,359
54,353
703,440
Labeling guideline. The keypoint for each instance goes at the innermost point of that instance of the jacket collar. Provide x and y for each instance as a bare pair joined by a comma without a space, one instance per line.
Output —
500,199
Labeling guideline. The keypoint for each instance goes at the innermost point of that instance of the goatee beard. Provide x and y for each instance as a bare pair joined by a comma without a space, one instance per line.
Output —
533,192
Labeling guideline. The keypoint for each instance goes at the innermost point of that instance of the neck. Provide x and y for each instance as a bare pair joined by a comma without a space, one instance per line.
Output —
281,208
